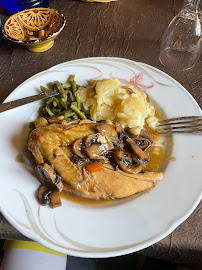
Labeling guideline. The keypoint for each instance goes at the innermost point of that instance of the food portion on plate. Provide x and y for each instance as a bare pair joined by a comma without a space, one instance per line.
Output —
125,105
115,153
66,104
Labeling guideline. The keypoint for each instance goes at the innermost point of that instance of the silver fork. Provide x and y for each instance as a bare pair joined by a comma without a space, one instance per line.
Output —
187,124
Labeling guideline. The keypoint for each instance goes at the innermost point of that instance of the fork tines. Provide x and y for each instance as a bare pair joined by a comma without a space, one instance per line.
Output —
189,124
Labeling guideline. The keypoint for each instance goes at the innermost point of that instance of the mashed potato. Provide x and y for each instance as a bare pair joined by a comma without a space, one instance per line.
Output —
125,105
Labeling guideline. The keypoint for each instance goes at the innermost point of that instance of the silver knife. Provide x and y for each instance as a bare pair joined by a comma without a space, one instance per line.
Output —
19,102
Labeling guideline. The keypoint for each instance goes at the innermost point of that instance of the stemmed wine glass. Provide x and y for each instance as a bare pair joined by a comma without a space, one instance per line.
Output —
181,44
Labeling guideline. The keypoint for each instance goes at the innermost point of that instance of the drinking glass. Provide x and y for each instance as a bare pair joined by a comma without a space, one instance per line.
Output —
13,6
182,41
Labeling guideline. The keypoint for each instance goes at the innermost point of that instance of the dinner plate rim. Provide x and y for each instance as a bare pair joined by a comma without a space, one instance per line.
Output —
102,58
138,246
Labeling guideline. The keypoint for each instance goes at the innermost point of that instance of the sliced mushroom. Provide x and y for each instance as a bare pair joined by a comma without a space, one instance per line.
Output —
97,149
88,140
80,161
106,129
102,159
97,145
43,194
102,138
106,140
55,199
144,142
135,158
48,177
77,147
122,159
117,143
122,135
142,156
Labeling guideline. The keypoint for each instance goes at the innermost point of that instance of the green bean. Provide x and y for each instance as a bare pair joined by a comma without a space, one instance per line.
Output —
42,111
66,85
54,103
50,85
66,104
55,88
79,113
64,97
49,111
60,88
44,89
49,101
64,112
56,100
84,110
70,114
74,86
61,117
56,110
74,103
78,101
62,102
71,78
71,97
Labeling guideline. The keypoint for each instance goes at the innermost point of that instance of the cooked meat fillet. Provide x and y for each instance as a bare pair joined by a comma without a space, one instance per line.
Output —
117,184
47,144
52,144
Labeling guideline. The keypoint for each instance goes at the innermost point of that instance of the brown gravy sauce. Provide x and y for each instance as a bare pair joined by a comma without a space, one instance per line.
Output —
19,158
84,201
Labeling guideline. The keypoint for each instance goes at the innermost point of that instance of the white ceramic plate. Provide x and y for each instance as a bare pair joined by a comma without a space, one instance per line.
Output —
114,229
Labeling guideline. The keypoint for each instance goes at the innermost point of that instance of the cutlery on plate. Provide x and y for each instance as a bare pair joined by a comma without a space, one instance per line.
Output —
187,124
19,102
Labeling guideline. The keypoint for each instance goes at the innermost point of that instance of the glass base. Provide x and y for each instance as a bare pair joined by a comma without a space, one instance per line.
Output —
178,59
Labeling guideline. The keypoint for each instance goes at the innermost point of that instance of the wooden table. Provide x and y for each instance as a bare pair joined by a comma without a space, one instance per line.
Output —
129,29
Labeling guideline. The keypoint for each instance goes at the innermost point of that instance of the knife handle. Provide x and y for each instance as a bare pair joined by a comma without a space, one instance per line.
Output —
16,103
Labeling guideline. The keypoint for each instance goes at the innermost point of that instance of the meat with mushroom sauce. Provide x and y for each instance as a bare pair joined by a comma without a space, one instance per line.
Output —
69,154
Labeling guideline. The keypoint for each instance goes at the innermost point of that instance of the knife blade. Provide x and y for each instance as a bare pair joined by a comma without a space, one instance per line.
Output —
19,102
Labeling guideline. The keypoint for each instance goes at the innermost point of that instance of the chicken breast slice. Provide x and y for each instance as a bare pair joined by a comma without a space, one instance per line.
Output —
113,184
47,144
